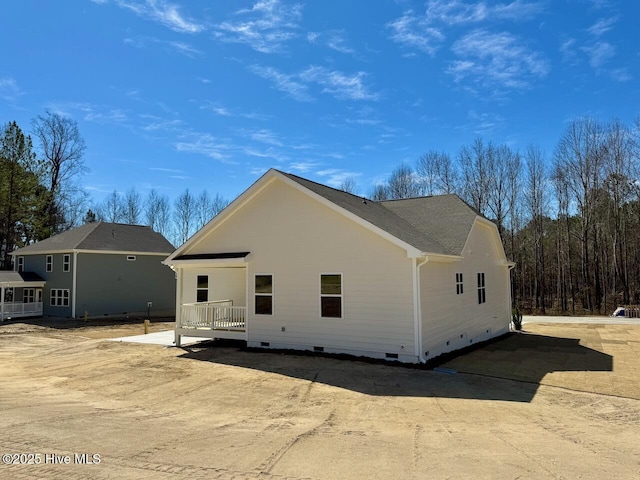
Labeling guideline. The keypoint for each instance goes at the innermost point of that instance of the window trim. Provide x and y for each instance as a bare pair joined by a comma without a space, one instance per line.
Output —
331,295
131,258
48,262
199,289
20,264
272,294
66,262
61,299
482,290
459,284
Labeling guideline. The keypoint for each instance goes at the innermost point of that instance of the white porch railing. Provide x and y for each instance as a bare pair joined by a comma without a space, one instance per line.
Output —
215,315
19,309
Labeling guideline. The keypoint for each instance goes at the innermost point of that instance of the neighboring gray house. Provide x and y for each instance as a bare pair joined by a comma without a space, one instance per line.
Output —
99,268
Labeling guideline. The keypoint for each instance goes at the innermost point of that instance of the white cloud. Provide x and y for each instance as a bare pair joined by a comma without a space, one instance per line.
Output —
335,176
599,53
271,25
283,82
207,145
333,39
163,12
303,167
414,31
266,136
180,47
111,116
496,60
9,89
338,84
458,12
602,26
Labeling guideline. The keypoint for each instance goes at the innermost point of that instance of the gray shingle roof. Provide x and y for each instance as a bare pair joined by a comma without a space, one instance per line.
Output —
7,277
116,237
437,225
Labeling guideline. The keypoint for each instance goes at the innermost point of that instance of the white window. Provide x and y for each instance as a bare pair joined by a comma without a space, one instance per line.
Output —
28,295
20,264
202,288
59,297
49,263
331,295
66,262
264,294
482,295
459,284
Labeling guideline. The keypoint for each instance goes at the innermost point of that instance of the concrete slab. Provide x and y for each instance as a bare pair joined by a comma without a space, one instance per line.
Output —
165,338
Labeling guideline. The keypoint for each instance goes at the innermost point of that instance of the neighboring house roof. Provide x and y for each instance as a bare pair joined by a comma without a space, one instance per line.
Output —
8,278
438,224
102,236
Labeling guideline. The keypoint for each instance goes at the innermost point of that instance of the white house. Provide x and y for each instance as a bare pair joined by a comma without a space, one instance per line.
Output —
292,264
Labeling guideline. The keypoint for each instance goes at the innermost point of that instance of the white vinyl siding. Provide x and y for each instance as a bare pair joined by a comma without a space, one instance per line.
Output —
451,321
287,235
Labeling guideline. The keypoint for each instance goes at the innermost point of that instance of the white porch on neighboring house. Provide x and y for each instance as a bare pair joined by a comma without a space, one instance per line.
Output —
26,286
212,296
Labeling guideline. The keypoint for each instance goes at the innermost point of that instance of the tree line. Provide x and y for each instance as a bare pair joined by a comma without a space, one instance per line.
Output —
570,220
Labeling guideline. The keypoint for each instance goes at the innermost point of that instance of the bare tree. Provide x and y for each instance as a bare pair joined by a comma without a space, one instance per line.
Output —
203,210
379,192
62,148
219,204
536,202
158,212
184,212
428,170
349,185
112,209
477,168
132,207
403,183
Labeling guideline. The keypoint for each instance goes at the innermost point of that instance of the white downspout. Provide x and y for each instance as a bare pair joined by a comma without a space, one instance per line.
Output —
2,303
74,284
417,307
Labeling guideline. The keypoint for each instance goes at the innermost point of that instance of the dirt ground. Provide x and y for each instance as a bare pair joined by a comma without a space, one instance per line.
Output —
558,401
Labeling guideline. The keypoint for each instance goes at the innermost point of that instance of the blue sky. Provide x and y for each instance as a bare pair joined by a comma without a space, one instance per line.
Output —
175,94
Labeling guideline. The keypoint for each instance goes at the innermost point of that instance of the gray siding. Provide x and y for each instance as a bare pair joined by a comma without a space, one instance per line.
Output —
56,279
108,284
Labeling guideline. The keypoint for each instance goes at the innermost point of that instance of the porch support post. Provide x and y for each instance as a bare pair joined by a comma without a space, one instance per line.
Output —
2,303
178,305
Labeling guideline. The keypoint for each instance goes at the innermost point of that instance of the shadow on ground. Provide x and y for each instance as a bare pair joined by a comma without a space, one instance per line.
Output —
487,373
63,323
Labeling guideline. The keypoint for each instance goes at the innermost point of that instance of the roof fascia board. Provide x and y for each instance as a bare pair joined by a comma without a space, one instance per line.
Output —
223,216
215,263
76,250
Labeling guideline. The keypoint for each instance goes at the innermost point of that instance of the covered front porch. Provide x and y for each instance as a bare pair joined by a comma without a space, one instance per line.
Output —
215,319
20,295
212,296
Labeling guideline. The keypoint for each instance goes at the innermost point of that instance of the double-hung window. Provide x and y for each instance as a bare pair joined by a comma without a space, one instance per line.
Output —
202,288
20,264
59,297
331,295
264,294
459,284
66,262
482,295
49,263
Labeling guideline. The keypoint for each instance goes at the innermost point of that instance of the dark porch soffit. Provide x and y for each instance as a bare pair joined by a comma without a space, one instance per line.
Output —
213,256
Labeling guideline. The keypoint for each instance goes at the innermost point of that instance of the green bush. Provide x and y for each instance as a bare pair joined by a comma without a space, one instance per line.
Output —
516,319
